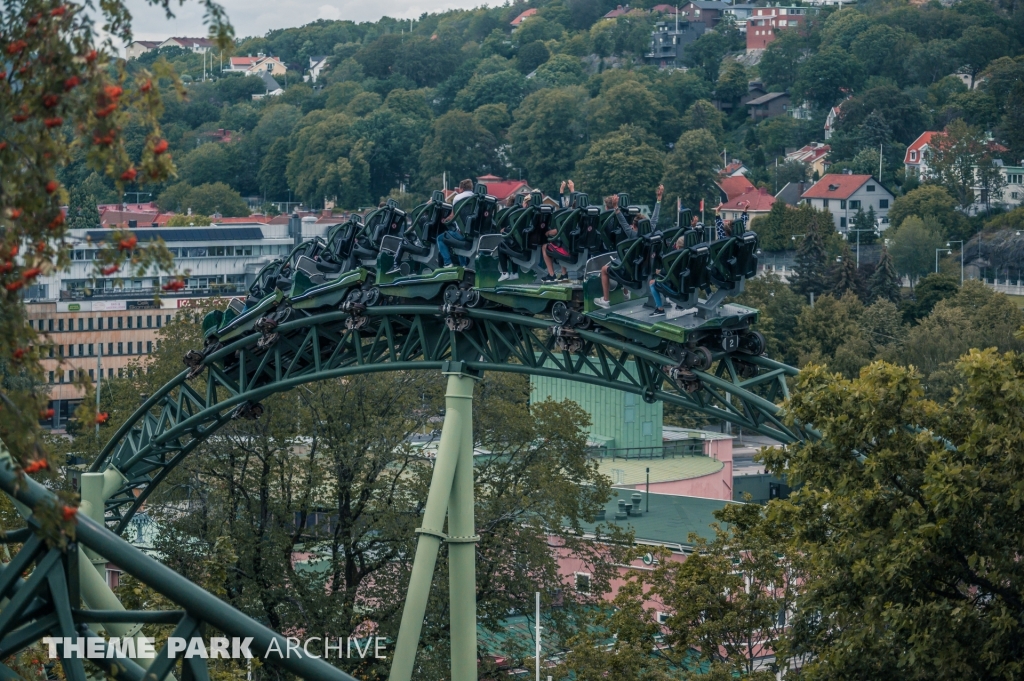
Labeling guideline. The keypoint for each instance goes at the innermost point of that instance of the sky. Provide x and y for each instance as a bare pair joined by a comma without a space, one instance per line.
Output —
256,18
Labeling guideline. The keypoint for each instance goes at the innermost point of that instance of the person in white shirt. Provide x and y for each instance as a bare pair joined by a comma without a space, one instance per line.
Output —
452,237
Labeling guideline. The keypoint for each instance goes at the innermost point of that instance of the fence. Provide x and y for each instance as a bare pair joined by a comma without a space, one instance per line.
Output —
681,448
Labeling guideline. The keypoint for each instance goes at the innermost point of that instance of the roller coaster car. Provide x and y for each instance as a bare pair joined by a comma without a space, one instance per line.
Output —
695,328
578,232
264,294
410,266
328,281
388,220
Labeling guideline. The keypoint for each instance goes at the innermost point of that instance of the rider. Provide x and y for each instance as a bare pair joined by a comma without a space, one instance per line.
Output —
551,248
629,231
452,237
505,265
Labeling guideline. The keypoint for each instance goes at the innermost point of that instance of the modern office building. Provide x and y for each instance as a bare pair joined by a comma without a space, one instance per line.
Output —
89,324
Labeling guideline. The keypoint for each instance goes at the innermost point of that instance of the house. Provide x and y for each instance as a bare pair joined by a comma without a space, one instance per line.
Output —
617,12
1010,196
734,169
814,155
668,40
137,48
768,106
844,195
252,66
709,13
665,9
738,15
220,135
915,160
197,45
316,65
730,188
755,89
502,189
764,23
755,203
835,114
273,89
791,193
523,17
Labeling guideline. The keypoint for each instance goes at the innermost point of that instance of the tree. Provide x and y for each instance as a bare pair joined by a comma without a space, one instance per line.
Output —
732,83
845,277
778,307
705,54
459,146
890,467
927,201
772,233
690,170
183,220
885,283
504,87
549,134
884,49
779,61
960,159
811,271
978,46
561,70
394,141
622,161
206,199
727,601
826,76
82,211
531,55
913,248
702,115
929,291
629,103
830,333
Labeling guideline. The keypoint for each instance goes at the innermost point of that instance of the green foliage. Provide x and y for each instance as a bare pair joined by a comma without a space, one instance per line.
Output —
811,271
458,145
622,161
825,76
706,53
205,199
928,292
779,62
913,247
927,201
548,136
185,220
689,173
831,332
779,309
885,281
961,159
82,212
702,115
899,485
561,70
530,56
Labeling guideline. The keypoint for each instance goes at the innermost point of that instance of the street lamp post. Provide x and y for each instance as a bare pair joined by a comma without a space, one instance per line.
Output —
948,244
937,250
858,240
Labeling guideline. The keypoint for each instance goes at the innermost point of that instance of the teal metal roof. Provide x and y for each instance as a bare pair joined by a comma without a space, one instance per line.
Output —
671,520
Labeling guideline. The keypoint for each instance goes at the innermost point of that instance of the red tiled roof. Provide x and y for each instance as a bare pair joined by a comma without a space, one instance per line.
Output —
110,218
262,219
664,9
836,186
617,12
734,186
756,201
525,15
923,140
809,153
502,189
244,60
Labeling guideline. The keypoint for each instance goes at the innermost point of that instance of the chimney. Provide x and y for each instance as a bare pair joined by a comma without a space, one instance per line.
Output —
132,224
636,499
621,513
295,228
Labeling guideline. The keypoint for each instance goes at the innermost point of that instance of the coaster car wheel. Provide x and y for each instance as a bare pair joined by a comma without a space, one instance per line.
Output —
452,295
700,358
560,313
371,296
753,343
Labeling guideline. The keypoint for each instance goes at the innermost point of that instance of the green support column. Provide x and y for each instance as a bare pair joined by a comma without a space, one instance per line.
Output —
456,435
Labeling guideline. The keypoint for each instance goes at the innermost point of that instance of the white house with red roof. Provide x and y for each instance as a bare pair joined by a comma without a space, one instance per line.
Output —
755,203
501,189
833,117
846,194
523,17
734,169
915,161
254,66
814,155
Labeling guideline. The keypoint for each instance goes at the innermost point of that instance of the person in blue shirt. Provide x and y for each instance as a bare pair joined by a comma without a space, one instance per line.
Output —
629,231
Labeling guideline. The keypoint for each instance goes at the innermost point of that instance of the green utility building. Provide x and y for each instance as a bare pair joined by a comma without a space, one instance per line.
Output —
618,420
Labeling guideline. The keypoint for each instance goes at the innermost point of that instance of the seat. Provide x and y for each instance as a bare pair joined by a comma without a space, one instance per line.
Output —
635,257
733,259
528,232
474,217
685,271
236,306
580,234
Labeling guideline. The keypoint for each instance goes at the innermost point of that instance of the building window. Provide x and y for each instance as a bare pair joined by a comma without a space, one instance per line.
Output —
49,325
883,203
71,351
120,350
90,350
120,372
81,350
149,347
913,156
842,205
51,356
842,222
167,319
149,321
583,582
824,203
138,322
129,347
158,319
71,376
90,323
81,324
854,205
60,324
129,322
662,617
1015,178
51,377
110,373
92,375
120,322
870,188
110,348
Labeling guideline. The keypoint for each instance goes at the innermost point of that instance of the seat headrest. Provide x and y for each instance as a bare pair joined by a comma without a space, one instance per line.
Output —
593,210
391,203
437,196
480,189
580,200
623,199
